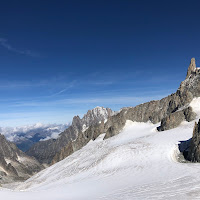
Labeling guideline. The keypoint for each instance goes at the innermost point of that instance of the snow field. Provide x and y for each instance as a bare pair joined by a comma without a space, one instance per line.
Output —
139,163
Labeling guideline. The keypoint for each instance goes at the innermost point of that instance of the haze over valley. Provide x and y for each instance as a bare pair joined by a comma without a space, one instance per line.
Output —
100,100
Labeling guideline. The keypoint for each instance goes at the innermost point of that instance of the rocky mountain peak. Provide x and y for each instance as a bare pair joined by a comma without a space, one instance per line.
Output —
99,112
96,115
103,120
44,151
192,68
76,121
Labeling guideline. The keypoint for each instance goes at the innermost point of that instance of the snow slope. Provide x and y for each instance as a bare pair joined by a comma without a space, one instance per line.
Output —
139,163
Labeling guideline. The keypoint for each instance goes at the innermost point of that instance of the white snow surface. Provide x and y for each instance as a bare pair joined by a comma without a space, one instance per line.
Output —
138,163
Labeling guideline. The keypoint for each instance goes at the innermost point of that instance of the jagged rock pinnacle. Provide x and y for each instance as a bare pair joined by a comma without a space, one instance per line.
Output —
171,110
191,68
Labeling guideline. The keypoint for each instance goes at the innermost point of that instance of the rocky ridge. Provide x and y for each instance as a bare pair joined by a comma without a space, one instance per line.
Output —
174,119
45,151
166,111
191,151
170,111
15,165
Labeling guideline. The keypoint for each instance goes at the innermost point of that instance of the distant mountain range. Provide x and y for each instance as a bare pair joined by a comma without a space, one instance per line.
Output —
170,111
44,141
25,136
45,151
50,144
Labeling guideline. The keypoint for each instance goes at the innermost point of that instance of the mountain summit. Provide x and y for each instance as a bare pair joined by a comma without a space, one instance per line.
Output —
170,111
145,149
45,151
192,68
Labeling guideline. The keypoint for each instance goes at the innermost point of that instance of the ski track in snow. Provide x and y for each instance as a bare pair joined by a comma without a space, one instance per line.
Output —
139,163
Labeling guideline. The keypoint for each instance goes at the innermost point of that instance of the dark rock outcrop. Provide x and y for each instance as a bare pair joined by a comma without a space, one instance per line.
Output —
189,114
171,121
191,68
169,110
45,151
83,138
174,119
15,164
192,152
64,152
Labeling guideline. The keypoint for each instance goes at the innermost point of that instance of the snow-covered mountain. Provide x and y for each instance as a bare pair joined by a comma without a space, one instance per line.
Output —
95,115
139,163
133,154
45,151
25,136
170,111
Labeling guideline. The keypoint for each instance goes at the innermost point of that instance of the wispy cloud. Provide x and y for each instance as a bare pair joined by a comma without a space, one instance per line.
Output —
114,100
69,86
51,110
19,85
4,43
50,83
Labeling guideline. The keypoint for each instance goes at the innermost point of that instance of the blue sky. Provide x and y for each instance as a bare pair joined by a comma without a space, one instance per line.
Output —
60,58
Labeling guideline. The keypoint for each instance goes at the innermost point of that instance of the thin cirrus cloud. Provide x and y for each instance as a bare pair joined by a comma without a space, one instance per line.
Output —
62,110
18,85
132,101
4,43
4,84
69,86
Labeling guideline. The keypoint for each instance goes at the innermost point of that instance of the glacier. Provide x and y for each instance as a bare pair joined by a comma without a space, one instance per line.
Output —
138,163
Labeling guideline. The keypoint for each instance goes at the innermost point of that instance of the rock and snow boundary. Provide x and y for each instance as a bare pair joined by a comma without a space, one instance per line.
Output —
138,163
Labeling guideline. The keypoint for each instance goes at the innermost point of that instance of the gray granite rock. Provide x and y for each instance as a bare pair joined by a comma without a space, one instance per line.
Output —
174,119
189,114
166,110
191,68
15,165
45,151
171,121
192,152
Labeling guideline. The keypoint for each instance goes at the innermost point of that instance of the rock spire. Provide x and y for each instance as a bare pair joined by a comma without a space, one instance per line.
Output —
191,68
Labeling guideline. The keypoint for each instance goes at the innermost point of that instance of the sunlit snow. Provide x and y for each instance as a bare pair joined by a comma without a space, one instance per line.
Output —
139,163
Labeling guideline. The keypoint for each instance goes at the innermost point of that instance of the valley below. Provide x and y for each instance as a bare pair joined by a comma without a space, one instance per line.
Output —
138,163
100,100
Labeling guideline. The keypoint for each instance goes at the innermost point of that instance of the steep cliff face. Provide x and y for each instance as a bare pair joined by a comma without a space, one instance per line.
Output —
14,164
191,68
170,111
192,152
46,150
174,119
164,110
92,117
